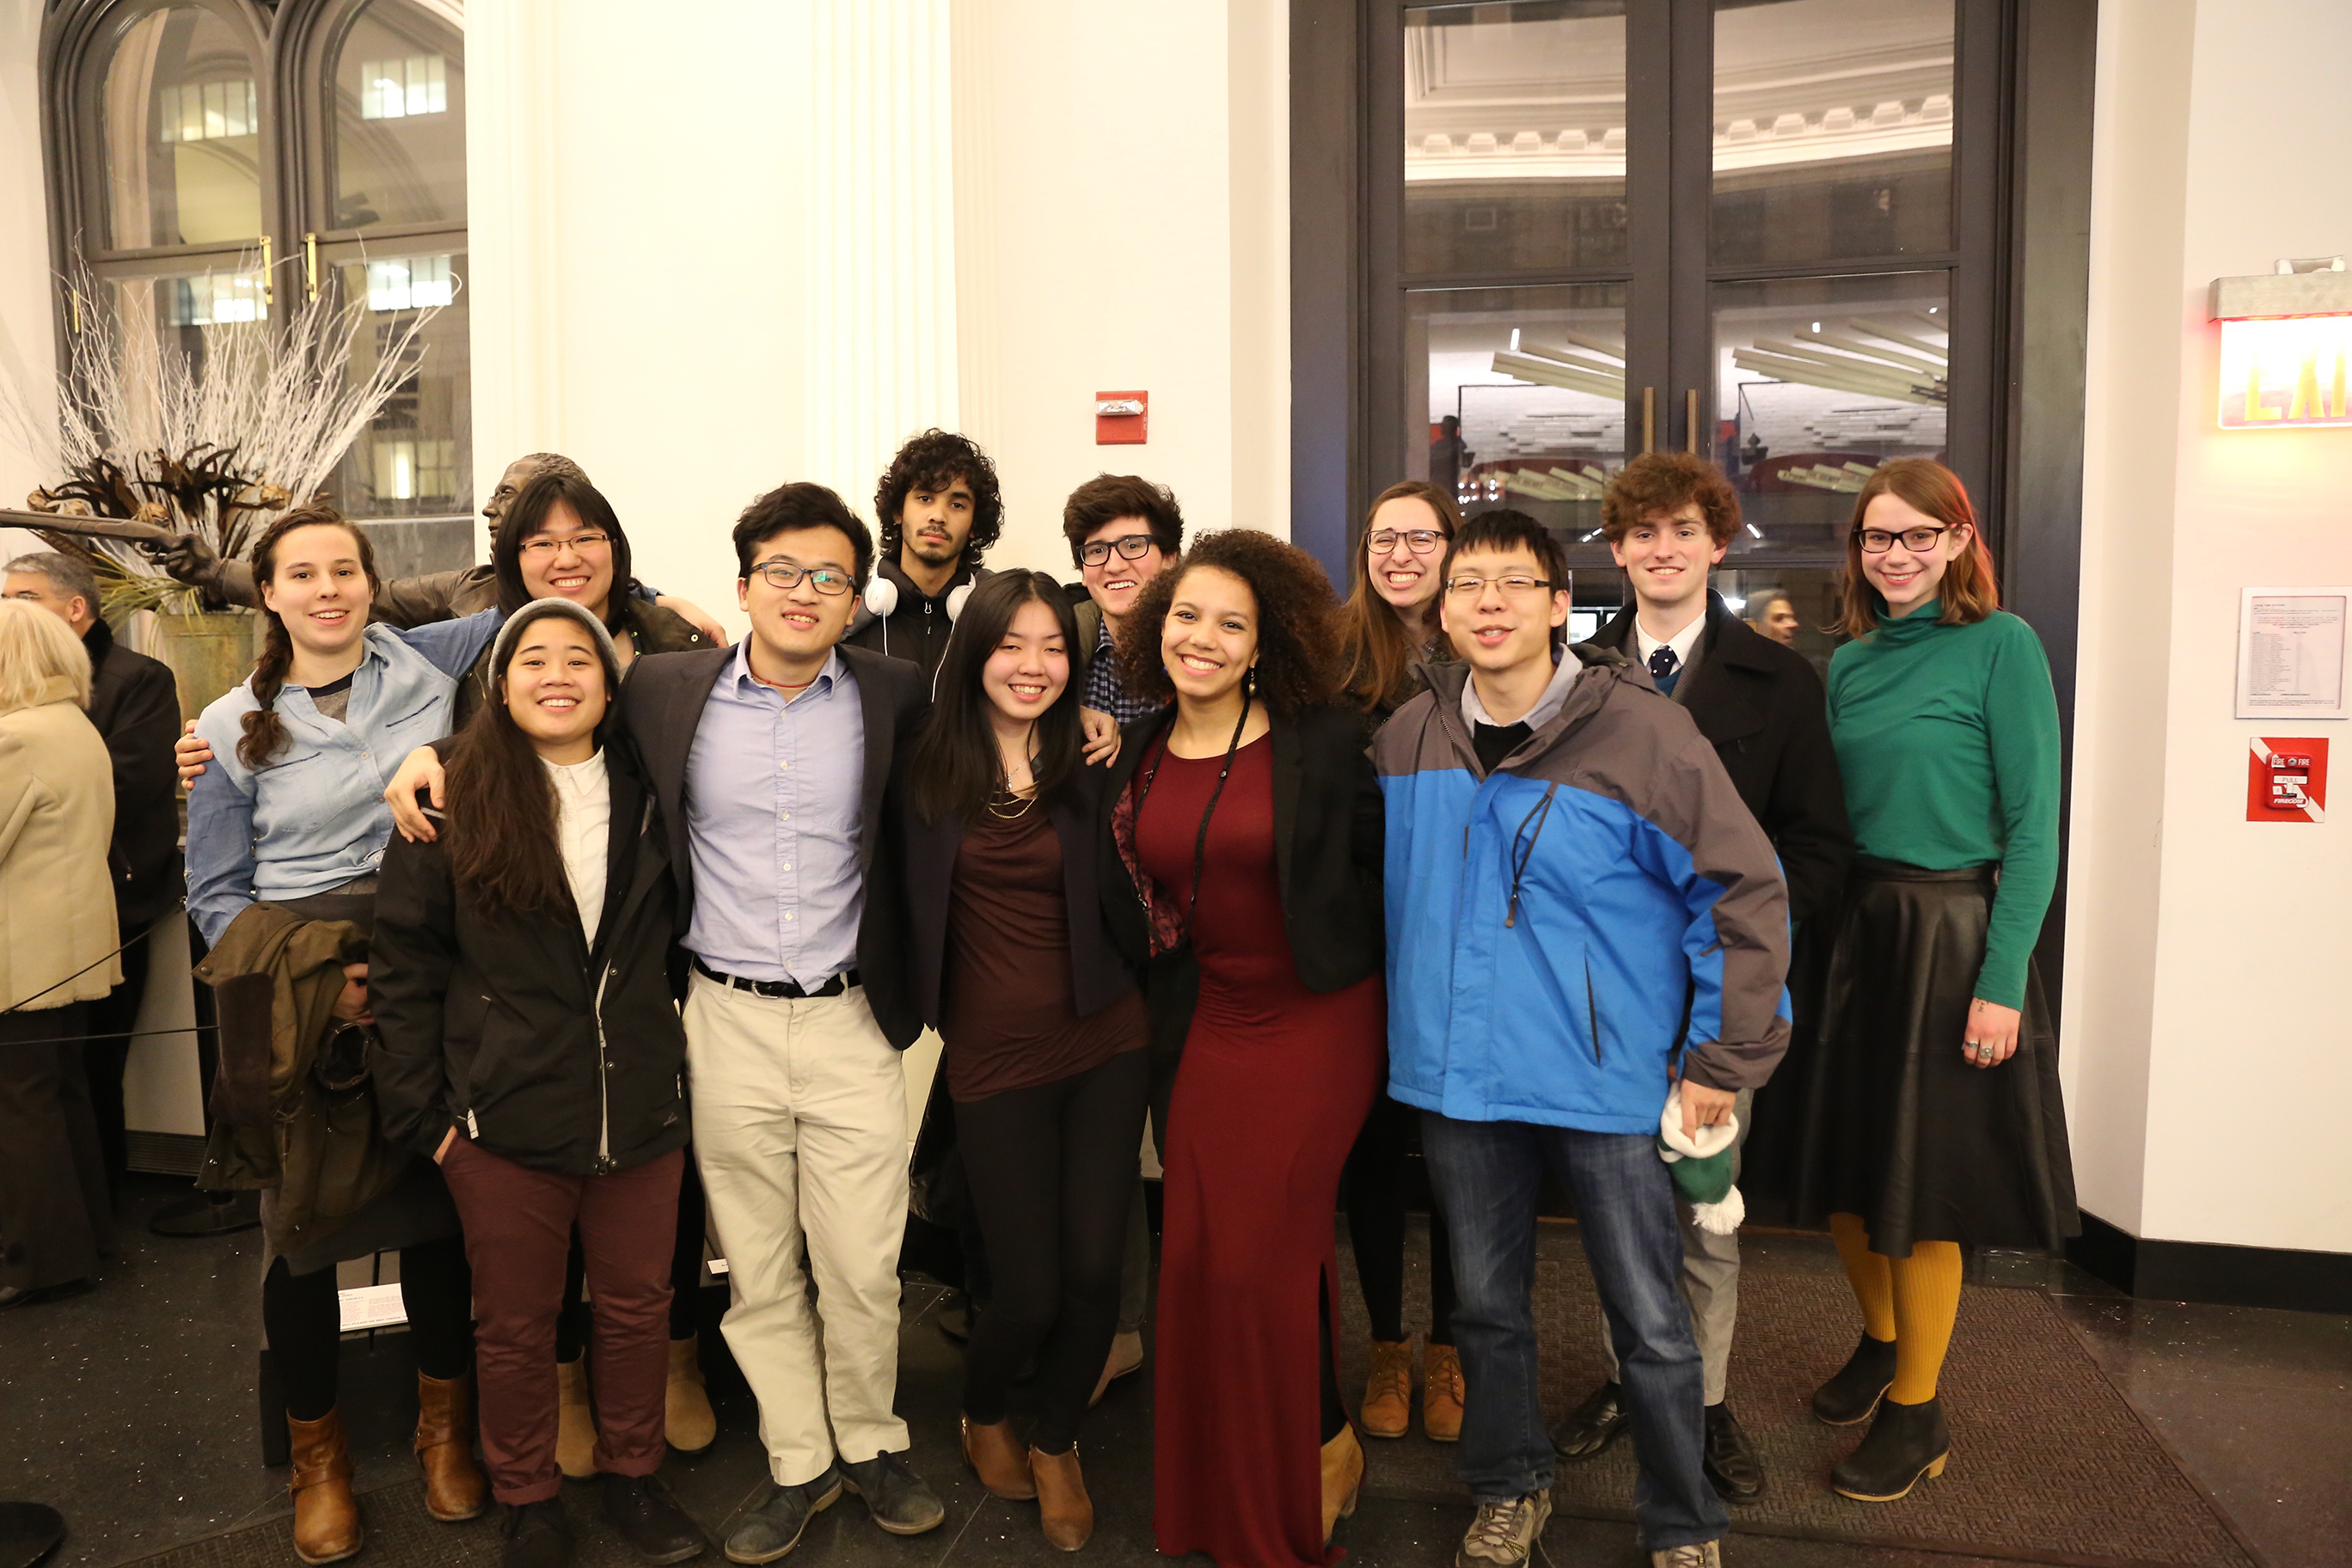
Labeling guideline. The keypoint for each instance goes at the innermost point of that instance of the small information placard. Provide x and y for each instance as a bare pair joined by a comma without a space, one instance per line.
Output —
2290,653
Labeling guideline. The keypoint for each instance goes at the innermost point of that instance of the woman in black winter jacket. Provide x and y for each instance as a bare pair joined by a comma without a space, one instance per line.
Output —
531,1045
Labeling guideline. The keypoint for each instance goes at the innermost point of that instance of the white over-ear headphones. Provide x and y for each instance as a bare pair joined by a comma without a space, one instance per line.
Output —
882,599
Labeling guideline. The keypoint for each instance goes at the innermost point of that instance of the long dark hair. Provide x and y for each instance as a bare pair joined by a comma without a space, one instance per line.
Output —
1378,656
956,766
527,514
264,731
499,834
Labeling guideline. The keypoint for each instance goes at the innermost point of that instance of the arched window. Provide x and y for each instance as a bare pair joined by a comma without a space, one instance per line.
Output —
213,161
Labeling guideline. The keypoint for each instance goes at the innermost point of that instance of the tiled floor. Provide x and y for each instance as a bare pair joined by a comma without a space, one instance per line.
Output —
132,1409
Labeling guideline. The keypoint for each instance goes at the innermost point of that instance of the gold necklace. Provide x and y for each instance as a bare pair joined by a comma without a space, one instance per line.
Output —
1017,812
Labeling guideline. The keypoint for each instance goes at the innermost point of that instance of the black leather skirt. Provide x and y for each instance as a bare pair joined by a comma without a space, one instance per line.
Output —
1883,1118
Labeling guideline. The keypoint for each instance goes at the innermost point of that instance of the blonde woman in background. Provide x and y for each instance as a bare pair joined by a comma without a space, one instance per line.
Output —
58,952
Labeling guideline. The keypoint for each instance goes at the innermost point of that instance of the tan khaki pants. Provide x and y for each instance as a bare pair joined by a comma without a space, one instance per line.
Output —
799,1130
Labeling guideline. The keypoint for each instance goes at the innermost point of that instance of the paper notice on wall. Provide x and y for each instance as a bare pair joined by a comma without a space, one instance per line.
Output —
2291,652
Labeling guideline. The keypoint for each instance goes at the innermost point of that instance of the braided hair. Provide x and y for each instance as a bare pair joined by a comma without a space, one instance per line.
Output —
264,732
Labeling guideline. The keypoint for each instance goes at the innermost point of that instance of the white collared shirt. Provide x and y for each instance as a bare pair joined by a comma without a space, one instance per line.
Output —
583,825
1685,642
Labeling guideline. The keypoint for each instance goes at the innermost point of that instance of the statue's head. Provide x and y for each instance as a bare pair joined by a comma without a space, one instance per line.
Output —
520,472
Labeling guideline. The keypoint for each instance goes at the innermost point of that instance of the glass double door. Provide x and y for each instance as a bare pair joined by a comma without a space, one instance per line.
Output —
1759,230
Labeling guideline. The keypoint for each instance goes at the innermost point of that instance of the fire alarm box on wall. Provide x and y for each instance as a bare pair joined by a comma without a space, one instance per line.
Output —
1121,418
2286,780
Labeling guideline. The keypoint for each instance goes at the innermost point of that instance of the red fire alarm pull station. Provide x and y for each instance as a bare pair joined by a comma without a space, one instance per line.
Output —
2286,780
1121,418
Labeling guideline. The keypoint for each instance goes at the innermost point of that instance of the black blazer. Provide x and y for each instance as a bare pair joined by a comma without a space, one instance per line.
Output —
1762,708
135,704
1099,972
1328,847
510,1028
662,702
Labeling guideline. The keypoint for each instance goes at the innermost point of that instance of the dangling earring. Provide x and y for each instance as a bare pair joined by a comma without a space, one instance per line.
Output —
1249,682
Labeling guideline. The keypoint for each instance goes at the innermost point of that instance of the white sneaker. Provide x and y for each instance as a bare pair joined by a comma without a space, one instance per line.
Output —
1704,1554
1504,1533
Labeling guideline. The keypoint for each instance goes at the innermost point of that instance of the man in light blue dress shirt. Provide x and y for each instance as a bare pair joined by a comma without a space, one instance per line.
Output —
769,761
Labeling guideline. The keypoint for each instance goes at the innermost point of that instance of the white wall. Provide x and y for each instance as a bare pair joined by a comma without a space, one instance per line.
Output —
826,224
2205,1012
1123,211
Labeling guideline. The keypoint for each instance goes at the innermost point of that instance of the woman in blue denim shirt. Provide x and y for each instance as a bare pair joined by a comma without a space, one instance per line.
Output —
292,814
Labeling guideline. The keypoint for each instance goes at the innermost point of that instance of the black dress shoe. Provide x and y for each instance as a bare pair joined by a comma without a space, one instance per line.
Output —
774,1526
1907,1444
641,1510
537,1536
1729,1458
28,1532
1593,1425
19,1296
1848,1398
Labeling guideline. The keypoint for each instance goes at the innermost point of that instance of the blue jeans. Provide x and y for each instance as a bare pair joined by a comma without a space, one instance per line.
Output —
1486,1173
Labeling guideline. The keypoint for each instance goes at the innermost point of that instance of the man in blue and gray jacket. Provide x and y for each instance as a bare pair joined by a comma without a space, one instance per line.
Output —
1580,912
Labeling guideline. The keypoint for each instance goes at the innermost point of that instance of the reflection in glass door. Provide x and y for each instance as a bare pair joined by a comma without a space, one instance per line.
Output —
1765,231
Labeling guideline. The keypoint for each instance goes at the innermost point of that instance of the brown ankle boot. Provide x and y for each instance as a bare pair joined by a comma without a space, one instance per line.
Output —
326,1516
1343,1479
687,1417
1063,1506
575,1420
996,1456
1441,1393
455,1487
1387,1409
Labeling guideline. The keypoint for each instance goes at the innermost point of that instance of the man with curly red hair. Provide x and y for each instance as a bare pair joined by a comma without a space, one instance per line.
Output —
1669,517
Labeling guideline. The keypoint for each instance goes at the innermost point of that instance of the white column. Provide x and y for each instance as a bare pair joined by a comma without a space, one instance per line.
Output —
879,238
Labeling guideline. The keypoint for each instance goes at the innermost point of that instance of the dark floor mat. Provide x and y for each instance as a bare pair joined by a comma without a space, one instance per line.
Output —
400,1532
2049,1463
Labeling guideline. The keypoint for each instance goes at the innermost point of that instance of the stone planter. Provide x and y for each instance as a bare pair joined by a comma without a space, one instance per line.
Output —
208,653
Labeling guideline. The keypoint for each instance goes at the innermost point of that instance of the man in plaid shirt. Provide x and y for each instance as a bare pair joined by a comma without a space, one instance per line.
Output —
1123,532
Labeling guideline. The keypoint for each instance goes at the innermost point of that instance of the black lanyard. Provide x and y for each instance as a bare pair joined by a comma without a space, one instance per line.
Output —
1200,841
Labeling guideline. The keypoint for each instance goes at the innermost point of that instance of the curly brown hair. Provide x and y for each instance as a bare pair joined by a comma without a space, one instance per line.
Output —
1298,663
1659,484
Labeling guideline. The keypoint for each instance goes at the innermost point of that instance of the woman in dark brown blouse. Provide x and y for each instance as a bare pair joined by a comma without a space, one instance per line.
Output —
1043,1027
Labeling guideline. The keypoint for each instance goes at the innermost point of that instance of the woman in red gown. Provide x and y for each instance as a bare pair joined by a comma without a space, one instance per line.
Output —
1248,821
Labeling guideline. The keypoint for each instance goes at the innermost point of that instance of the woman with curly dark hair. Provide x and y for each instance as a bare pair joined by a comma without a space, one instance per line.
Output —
938,509
1249,826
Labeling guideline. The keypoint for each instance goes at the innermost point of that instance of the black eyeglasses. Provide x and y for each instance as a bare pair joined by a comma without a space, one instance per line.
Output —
1130,547
1420,540
784,574
1879,541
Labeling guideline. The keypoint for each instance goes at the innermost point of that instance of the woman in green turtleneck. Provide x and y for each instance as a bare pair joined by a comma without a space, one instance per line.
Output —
1933,1112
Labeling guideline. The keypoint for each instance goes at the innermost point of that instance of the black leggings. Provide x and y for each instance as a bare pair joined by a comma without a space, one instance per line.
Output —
1373,1188
685,1275
302,1315
1052,1170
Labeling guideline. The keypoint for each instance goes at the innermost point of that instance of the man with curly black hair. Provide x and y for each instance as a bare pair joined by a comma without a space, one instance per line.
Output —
938,508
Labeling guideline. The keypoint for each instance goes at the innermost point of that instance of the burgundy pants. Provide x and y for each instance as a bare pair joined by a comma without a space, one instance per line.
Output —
517,1233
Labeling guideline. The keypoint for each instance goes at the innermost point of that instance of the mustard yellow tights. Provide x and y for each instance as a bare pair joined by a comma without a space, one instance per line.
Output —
1913,1301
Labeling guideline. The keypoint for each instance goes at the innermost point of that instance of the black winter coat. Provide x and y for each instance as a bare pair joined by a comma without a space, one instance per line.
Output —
135,705
1761,707
512,1029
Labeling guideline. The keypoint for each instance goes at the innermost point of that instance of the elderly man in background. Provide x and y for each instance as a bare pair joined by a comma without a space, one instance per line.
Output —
135,707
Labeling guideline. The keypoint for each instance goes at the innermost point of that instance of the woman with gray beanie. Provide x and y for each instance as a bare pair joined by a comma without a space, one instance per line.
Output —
532,1047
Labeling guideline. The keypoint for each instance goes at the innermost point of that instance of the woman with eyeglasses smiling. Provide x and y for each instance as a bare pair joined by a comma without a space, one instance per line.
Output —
1388,630
1934,1114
